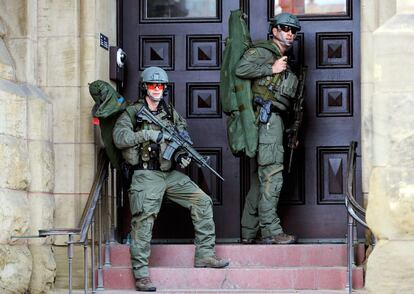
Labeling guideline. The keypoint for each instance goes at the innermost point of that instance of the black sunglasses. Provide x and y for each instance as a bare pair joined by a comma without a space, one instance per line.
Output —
286,29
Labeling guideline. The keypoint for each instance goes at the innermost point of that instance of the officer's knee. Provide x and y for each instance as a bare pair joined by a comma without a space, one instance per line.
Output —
142,230
203,208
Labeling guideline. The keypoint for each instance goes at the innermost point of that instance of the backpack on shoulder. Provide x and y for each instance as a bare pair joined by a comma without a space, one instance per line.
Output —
235,93
109,105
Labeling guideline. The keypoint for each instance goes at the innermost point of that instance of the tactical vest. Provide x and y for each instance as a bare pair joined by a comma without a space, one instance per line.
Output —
280,88
148,153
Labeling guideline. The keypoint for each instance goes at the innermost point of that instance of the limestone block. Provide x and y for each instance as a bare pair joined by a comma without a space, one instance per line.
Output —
6,63
58,18
88,58
401,133
14,216
369,20
367,58
386,10
381,117
42,214
15,269
13,109
3,29
390,268
63,61
399,29
367,91
87,167
39,115
44,269
14,163
88,17
65,113
390,211
102,64
42,62
42,167
66,214
66,168
18,51
405,6
106,20
86,127
14,14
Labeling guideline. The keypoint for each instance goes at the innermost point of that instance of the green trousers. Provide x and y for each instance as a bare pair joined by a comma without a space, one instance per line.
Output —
146,193
259,213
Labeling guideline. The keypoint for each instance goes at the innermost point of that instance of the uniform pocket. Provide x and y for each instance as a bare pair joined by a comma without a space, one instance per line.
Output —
131,155
136,200
272,132
270,154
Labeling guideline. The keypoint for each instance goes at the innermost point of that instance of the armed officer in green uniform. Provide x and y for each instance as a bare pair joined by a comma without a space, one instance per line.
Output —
142,144
273,85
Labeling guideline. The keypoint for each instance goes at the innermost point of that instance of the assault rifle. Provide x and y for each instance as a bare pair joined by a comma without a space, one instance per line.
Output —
297,116
178,140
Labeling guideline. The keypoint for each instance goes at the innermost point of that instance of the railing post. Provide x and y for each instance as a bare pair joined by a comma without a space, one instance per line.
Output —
70,258
100,286
113,205
85,265
108,218
93,255
350,249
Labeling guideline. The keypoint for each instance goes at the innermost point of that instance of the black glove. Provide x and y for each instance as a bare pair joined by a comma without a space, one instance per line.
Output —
183,160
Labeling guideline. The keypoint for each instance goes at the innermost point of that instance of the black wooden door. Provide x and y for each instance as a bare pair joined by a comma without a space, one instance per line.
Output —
186,37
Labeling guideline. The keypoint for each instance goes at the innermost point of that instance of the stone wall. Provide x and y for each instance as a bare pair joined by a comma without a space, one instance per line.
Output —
390,178
49,51
26,162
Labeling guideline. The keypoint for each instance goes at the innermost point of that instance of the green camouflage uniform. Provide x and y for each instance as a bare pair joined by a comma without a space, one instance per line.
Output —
149,186
261,202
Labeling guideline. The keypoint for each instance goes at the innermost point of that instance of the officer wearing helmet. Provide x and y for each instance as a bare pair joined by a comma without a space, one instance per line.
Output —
266,64
142,144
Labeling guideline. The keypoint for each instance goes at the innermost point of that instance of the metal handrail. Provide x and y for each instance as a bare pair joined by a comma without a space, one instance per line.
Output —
354,215
86,225
350,178
105,220
353,209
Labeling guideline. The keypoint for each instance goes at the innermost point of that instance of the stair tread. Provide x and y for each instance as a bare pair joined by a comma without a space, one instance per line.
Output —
244,255
269,268
227,291
237,267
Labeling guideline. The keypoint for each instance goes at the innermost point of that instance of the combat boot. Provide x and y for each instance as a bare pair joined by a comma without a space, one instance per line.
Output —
145,284
281,238
211,261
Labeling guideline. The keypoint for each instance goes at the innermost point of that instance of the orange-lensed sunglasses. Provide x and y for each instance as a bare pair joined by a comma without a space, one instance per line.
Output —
152,86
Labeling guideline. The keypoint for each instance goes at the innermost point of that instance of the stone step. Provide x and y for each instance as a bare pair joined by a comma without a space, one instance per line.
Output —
221,291
252,277
244,255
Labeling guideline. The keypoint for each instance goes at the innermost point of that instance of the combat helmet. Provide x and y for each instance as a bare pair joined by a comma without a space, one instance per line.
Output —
286,19
154,74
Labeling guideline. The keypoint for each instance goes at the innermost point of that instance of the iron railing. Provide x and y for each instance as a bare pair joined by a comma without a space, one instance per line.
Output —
101,209
355,212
